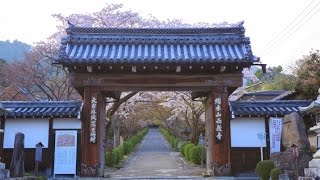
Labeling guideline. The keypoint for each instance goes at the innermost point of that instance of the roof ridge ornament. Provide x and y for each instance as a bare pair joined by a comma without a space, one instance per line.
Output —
70,27
70,24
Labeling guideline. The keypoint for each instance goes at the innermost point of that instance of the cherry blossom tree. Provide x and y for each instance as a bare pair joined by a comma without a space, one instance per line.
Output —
187,113
36,78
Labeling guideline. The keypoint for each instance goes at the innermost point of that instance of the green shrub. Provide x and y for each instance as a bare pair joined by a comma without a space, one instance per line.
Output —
127,146
179,145
171,140
275,173
264,168
115,156
41,178
137,138
120,151
175,143
182,148
195,154
186,149
108,159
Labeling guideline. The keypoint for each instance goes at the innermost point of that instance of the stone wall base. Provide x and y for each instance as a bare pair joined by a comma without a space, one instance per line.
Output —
306,178
4,174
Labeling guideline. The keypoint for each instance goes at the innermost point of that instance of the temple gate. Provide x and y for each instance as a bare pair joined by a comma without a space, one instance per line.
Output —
207,61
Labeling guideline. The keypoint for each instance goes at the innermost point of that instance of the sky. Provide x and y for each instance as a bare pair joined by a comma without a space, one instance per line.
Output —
281,31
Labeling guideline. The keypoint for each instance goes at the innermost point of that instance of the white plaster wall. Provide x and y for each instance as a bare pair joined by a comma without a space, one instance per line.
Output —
66,123
34,130
244,132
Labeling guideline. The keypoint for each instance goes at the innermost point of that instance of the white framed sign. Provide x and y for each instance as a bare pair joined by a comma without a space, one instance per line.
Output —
65,154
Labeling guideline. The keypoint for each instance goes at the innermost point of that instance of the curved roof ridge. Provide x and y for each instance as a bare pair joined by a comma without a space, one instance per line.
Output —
267,108
270,101
236,28
225,45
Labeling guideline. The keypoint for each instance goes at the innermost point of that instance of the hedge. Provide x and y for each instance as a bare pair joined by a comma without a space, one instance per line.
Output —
171,139
195,154
128,147
108,159
182,147
188,150
117,154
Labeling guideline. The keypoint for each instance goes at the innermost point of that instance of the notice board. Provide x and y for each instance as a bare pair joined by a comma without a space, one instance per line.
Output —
65,154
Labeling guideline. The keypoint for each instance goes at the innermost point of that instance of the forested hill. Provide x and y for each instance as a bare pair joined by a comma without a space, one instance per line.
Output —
14,50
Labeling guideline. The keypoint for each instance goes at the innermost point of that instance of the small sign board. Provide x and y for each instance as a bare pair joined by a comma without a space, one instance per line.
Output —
261,136
65,154
38,156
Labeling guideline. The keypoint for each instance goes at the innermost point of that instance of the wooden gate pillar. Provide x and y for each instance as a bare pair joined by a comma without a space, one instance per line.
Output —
218,133
90,137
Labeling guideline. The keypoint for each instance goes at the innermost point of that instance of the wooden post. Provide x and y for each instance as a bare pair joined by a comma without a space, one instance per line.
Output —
90,141
219,143
36,169
209,135
2,120
51,146
102,133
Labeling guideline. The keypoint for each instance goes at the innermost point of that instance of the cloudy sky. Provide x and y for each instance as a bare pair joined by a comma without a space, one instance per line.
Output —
281,31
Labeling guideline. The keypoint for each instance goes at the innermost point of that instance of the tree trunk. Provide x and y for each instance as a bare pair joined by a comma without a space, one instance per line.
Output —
17,162
116,132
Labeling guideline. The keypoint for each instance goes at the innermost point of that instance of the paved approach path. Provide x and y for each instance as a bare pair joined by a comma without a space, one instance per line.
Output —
153,157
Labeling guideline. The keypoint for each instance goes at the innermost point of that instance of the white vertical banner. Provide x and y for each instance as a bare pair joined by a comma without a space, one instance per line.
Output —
275,130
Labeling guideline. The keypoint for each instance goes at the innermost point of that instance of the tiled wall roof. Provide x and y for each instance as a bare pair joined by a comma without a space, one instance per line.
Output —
267,108
42,108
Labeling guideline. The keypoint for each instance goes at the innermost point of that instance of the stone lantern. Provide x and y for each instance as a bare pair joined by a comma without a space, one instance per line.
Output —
314,164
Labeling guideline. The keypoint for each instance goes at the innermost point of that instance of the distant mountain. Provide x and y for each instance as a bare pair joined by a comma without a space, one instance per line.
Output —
11,51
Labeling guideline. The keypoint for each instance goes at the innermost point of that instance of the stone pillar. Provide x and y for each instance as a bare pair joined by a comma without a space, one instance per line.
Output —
17,162
219,132
90,136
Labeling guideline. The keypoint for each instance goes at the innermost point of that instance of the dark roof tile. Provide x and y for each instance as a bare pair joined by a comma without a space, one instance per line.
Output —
267,108
156,45
42,108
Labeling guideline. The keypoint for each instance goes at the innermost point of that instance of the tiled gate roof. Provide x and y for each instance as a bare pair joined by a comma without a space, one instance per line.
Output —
223,45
